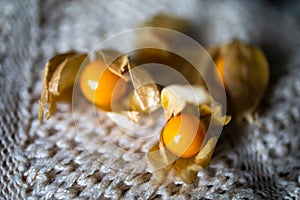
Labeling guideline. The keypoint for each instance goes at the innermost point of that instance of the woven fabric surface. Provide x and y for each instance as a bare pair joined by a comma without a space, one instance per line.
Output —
52,162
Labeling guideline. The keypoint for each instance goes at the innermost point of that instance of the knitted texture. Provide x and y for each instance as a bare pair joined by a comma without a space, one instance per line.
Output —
54,161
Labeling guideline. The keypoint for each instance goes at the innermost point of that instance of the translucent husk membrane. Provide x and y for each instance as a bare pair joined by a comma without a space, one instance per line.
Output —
59,77
244,71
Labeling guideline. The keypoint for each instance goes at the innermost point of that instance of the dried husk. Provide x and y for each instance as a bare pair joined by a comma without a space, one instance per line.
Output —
145,96
161,38
161,159
175,98
246,76
164,20
164,163
116,63
157,45
59,76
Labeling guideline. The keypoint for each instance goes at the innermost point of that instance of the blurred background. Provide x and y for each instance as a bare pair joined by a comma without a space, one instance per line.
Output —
49,161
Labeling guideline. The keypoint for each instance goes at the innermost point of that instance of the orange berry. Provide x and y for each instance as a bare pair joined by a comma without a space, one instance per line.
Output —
220,67
101,86
183,135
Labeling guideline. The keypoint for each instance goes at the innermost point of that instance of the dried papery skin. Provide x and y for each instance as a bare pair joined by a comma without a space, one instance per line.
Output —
245,76
59,76
115,61
155,41
158,38
187,168
163,62
164,20
161,161
156,161
168,158
143,99
204,156
159,44
167,21
174,98
177,99
213,115
146,96
164,163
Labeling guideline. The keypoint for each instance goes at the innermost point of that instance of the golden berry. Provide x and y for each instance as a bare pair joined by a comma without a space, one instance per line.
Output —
183,135
220,67
101,86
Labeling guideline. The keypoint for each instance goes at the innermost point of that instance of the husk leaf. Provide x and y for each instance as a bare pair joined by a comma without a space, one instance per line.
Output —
164,20
158,45
145,96
59,76
174,98
246,74
116,63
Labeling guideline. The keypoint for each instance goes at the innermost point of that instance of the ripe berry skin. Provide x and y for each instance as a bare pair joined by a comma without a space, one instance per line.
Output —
101,86
183,135
220,67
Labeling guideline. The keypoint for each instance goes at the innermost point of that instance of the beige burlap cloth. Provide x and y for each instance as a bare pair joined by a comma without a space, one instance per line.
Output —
50,161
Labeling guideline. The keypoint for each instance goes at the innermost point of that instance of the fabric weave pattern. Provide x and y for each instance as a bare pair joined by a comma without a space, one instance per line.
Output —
50,161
